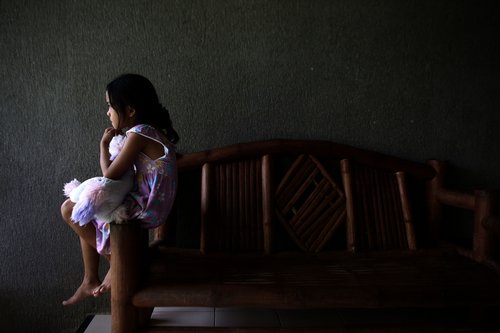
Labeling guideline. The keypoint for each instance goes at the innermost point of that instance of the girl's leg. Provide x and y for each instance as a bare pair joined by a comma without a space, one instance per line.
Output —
90,257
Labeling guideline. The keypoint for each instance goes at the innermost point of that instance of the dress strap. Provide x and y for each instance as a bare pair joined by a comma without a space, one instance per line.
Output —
152,133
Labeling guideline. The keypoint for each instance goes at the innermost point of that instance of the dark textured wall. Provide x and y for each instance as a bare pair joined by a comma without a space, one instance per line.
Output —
417,79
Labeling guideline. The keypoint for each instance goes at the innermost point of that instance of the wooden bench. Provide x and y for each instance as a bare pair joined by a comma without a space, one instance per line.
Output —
289,224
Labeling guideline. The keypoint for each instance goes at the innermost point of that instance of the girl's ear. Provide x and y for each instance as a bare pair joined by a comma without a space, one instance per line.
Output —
130,112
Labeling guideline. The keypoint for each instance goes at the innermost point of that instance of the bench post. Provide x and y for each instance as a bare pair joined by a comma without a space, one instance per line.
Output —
126,250
435,207
483,239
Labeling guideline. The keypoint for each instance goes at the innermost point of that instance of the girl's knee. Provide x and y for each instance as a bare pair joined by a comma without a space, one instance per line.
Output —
67,209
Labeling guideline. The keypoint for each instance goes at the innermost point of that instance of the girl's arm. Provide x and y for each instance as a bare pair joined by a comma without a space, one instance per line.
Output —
133,146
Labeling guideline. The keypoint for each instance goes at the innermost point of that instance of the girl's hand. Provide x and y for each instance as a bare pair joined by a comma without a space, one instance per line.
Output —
109,133
132,147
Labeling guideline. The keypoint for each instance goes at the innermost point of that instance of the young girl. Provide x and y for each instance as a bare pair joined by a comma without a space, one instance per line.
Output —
133,109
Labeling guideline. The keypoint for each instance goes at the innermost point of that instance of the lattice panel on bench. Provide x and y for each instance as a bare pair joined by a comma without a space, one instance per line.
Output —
309,203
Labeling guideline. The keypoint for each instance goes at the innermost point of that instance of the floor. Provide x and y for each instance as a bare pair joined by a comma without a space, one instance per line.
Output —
456,319
218,317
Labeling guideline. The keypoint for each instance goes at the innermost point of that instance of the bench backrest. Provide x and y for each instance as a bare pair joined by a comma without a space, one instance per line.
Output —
246,188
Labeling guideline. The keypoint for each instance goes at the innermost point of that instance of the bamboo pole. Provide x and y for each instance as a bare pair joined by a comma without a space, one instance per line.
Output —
456,199
246,199
379,209
435,207
259,221
267,202
395,199
206,205
483,241
406,208
241,204
347,180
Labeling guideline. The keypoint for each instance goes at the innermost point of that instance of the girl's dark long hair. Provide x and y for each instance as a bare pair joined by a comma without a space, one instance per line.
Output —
139,93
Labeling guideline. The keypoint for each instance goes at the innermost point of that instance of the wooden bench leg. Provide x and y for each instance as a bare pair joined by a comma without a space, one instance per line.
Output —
125,270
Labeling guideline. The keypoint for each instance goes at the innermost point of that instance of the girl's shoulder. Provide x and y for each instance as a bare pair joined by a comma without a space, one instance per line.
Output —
150,132
142,129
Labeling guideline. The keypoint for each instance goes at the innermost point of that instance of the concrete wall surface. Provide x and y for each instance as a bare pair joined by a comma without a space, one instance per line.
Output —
417,79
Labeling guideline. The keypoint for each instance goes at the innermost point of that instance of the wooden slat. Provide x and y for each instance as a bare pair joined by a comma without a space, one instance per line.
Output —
229,237
405,206
367,219
252,202
218,197
309,205
267,202
400,232
206,206
328,203
294,174
246,200
351,218
392,220
334,222
300,190
258,202
237,234
365,224
240,218
435,207
377,209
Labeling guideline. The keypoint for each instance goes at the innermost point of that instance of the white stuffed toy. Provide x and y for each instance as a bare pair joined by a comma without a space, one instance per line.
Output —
101,198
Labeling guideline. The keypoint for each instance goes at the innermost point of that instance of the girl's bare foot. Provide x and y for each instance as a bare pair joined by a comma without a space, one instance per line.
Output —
85,290
104,287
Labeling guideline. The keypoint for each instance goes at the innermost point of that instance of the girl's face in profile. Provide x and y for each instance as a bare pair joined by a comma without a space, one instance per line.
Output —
113,115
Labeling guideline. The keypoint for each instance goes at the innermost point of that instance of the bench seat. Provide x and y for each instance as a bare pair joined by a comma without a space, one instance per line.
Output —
432,278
